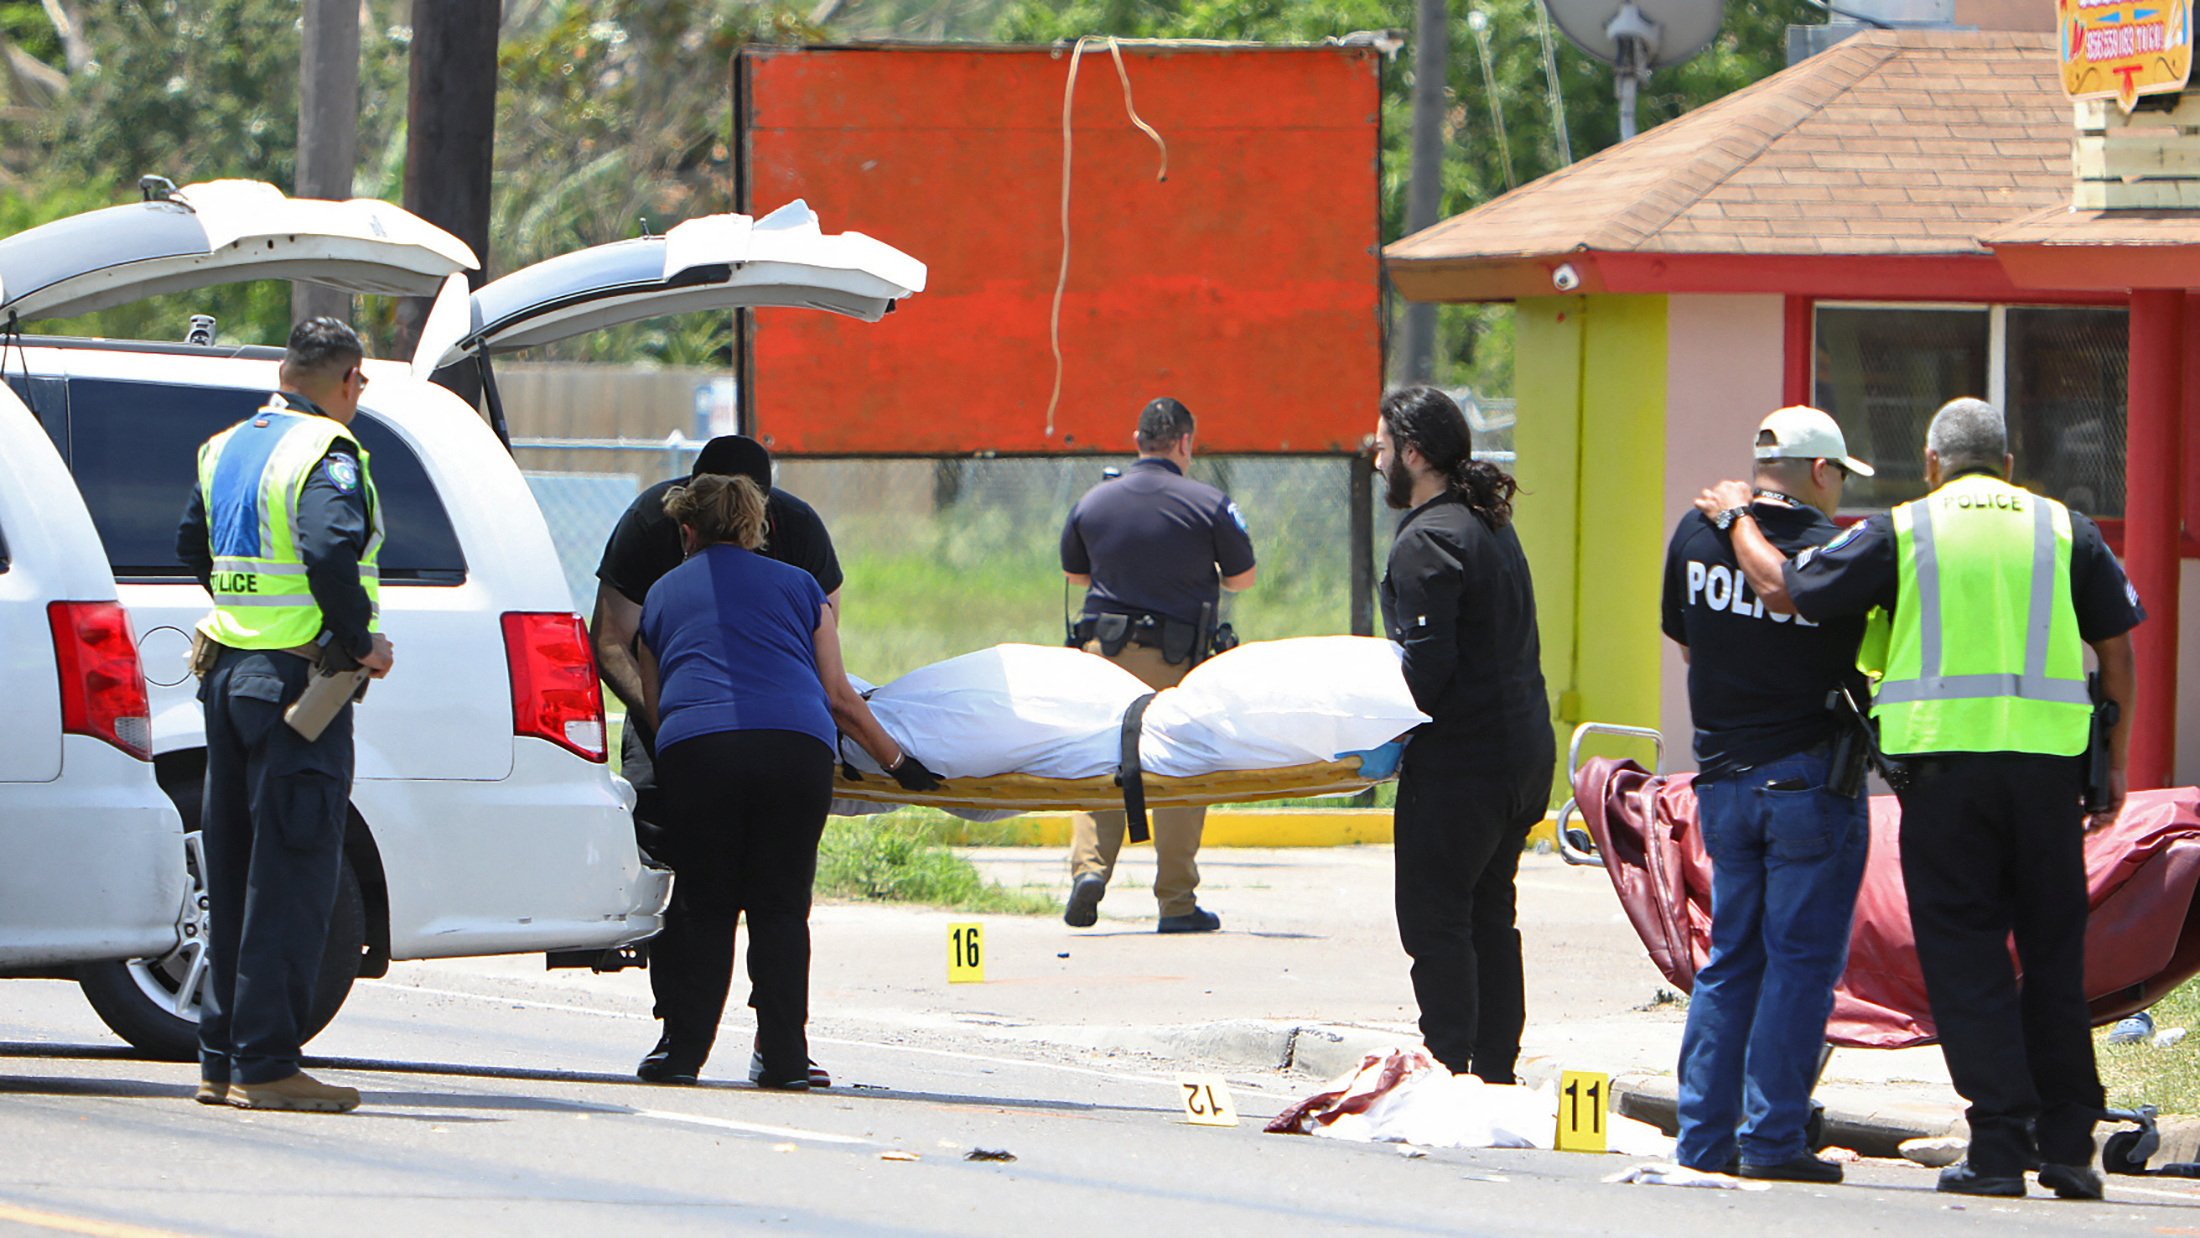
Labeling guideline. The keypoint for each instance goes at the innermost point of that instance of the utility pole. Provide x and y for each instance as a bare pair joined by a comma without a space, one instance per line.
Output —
328,128
451,107
1425,189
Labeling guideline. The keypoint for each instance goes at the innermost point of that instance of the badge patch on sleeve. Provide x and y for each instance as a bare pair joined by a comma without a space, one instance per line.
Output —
1843,538
1238,516
343,473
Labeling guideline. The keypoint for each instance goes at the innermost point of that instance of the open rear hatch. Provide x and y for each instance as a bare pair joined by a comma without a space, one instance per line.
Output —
717,262
222,232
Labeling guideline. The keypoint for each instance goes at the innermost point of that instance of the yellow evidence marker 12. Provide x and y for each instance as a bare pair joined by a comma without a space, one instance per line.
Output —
1583,1098
965,953
1206,1100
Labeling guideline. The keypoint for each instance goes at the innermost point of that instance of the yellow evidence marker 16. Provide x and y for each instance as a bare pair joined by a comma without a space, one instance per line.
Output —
965,953
1206,1100
1583,1096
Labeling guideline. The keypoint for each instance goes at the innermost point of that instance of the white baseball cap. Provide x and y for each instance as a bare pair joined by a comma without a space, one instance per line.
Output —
1800,432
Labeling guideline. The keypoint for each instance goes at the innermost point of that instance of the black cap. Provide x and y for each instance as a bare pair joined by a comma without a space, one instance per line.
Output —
736,455
1164,421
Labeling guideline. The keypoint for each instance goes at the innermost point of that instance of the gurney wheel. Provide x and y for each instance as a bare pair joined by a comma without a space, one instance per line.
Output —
1814,1130
2116,1154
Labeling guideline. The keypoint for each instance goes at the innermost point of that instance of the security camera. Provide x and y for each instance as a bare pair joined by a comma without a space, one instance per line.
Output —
1565,278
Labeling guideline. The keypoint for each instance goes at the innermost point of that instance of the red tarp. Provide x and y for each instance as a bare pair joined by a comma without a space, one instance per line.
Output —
2141,940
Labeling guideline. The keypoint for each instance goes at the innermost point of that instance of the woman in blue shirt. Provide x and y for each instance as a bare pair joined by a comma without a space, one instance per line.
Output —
741,675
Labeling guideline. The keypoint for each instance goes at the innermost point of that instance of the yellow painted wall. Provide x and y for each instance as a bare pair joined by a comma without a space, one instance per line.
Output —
1590,381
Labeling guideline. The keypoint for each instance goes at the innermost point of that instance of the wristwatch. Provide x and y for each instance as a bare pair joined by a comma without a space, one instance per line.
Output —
1725,519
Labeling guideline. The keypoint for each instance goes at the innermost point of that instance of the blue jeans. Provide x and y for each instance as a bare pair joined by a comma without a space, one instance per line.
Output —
1786,859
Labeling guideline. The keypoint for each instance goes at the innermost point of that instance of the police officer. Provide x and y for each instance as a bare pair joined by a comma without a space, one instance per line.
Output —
1150,548
644,545
283,530
1477,775
1787,850
1986,595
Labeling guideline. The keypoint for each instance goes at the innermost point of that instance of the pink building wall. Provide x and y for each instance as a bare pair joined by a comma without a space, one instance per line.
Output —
1724,363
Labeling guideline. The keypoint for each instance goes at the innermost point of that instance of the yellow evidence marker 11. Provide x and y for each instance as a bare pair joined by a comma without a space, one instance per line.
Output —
1583,1097
1206,1100
965,953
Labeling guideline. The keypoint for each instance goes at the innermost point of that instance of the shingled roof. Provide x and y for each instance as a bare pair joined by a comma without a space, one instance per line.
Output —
1894,142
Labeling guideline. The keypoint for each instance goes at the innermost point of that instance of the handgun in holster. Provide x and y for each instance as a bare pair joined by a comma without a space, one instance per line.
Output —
1856,747
2099,794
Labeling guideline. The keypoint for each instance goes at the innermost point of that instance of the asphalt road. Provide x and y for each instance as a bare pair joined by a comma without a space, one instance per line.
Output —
499,1102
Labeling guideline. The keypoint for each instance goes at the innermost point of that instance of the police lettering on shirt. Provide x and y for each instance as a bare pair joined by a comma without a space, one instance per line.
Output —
1723,588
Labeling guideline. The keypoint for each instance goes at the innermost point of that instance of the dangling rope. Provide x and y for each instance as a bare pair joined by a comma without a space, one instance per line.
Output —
1061,277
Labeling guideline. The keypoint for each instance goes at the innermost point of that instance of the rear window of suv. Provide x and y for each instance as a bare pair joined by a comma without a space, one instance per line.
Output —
134,448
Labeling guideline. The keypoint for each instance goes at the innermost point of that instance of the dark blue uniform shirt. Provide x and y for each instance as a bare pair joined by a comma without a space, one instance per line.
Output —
1155,542
1758,682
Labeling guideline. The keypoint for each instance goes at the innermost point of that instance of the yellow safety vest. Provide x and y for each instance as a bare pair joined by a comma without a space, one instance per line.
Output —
1982,653
250,478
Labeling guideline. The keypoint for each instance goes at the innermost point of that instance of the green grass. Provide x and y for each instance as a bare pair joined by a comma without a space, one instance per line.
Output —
2167,1078
897,858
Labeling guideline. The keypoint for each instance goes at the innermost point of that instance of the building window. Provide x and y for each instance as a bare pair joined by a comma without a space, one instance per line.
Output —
2058,372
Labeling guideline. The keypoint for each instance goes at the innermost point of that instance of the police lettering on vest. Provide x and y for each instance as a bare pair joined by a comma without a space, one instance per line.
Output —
1981,652
1982,596
250,479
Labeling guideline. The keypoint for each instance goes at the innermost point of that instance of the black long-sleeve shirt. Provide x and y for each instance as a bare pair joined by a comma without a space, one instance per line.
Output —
332,532
1458,597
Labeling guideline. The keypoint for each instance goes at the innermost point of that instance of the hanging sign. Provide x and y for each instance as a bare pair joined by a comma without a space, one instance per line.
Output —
2121,49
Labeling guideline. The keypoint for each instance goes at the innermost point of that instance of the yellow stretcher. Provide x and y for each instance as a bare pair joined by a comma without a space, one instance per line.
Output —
1029,793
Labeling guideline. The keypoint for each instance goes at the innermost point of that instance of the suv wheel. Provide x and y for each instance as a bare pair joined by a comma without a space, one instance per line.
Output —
154,1003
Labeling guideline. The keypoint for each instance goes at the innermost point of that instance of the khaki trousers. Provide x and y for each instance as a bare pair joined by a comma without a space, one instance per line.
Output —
1097,837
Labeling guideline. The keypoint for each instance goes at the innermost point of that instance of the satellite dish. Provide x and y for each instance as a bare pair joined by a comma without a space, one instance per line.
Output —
1636,36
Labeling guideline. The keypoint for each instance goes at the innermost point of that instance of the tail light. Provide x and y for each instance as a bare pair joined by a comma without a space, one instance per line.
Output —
102,683
555,692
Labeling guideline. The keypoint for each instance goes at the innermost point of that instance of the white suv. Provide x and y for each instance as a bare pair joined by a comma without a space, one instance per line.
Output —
91,852
484,818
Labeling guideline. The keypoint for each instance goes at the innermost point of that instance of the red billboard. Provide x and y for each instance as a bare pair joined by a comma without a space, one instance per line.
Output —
1244,284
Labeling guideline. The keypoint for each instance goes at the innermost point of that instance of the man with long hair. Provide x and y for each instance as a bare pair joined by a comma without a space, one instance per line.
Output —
1477,776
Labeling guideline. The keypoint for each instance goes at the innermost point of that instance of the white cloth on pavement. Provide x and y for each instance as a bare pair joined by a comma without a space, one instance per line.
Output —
1666,1173
1405,1096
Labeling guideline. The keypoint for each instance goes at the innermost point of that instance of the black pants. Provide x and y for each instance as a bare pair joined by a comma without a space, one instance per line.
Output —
638,765
273,832
1992,846
1458,837
743,814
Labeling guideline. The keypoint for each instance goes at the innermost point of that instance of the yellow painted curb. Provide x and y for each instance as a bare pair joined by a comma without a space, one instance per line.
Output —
1235,827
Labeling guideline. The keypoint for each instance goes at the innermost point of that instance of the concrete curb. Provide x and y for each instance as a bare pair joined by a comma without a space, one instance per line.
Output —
1869,1121
1226,827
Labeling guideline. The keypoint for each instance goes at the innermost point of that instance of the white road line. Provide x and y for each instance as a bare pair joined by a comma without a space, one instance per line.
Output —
529,1003
749,1128
2116,1187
